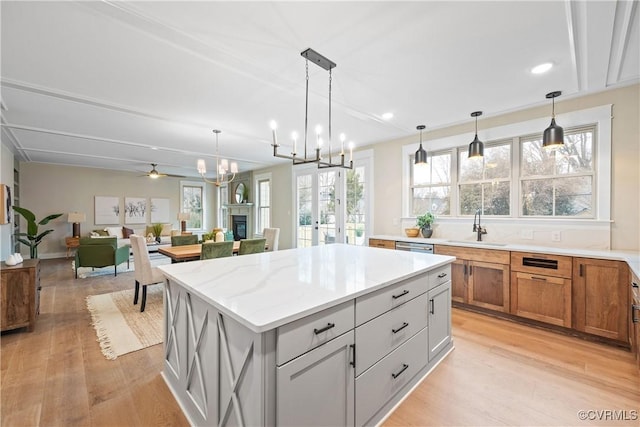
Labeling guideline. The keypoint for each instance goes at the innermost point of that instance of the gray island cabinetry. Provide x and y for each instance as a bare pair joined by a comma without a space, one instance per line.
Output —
329,335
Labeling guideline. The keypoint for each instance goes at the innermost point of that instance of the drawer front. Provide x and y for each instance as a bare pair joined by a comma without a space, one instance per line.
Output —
497,256
380,243
547,265
439,276
300,336
377,338
379,384
374,304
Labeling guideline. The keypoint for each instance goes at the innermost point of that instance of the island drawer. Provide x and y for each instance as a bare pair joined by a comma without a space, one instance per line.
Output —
439,276
383,380
300,336
378,337
374,304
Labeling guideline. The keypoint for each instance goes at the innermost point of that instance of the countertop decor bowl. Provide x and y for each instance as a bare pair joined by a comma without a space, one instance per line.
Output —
412,232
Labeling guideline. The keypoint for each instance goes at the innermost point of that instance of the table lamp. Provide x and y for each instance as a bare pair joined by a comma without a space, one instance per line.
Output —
183,217
76,218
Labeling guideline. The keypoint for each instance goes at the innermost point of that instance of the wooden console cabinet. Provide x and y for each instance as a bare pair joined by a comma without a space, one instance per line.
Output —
20,295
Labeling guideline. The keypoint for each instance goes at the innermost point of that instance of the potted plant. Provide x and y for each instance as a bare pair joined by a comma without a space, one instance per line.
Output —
33,238
424,222
157,230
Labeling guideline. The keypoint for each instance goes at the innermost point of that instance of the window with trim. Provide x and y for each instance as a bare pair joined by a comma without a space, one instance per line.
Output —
558,183
192,200
431,185
264,204
485,182
223,199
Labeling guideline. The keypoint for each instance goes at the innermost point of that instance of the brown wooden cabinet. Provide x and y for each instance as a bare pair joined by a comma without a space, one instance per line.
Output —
541,287
634,324
20,295
601,298
382,243
479,277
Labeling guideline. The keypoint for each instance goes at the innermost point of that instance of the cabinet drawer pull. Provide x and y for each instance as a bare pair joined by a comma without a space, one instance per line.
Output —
441,275
634,308
581,272
397,374
326,328
634,285
401,294
538,278
404,325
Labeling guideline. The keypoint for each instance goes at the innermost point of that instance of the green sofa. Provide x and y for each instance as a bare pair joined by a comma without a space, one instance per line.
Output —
101,252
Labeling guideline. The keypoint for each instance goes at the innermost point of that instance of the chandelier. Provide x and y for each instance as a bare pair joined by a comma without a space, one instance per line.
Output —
222,168
323,62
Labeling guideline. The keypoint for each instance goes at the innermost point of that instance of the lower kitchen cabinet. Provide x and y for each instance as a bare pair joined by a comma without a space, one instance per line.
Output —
381,243
480,277
542,298
438,304
601,298
634,325
317,388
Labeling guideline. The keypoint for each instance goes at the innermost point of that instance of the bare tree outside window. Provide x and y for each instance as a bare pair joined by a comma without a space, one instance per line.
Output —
432,192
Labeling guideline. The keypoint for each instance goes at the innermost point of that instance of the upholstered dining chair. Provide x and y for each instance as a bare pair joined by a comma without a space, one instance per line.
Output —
216,250
144,274
273,236
191,239
251,246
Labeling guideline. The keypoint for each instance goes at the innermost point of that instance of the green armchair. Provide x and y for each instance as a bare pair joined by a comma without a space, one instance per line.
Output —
101,252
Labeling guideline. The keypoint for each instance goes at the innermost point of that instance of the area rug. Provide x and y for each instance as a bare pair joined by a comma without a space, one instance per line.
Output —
120,326
85,272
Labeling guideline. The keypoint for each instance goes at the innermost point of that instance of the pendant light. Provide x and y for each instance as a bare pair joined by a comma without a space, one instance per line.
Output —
476,148
553,136
421,154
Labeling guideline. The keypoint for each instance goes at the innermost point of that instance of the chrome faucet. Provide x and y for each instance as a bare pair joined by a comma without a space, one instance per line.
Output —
476,227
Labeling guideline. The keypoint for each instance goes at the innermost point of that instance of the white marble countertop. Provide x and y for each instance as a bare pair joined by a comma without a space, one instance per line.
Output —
632,258
264,291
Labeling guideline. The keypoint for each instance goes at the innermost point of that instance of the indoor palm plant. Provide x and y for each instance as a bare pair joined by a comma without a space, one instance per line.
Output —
33,238
424,222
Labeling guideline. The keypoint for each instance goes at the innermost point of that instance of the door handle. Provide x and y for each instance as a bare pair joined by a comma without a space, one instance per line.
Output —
634,308
432,309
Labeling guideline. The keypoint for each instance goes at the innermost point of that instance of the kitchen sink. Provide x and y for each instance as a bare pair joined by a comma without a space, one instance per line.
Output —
474,242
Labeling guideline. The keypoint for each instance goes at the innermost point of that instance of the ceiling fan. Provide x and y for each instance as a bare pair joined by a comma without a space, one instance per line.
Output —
153,173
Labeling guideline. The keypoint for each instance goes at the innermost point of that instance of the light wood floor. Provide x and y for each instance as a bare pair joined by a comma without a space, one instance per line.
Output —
500,373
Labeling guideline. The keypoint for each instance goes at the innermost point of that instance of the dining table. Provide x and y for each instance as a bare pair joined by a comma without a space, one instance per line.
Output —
184,253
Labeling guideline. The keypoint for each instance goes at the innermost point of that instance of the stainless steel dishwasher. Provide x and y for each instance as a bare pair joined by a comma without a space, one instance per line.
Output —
426,248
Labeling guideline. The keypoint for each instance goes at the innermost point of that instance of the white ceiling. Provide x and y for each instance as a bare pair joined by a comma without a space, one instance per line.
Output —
119,85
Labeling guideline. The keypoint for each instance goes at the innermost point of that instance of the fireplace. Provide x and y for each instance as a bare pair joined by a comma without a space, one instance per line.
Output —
239,226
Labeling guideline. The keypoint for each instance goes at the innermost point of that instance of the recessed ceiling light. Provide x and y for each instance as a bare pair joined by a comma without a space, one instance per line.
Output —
387,116
542,68
154,148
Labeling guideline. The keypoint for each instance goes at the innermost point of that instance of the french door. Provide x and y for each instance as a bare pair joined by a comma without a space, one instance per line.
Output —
332,204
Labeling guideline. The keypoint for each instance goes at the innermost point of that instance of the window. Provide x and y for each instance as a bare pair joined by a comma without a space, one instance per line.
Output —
484,183
355,224
431,186
516,178
223,199
192,200
558,183
263,220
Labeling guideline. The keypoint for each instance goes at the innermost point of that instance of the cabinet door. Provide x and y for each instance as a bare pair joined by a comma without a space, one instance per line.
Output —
600,298
459,281
489,285
543,298
317,388
16,298
439,326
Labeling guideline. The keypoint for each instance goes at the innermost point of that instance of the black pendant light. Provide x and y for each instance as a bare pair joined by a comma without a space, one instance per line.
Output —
553,136
421,154
476,148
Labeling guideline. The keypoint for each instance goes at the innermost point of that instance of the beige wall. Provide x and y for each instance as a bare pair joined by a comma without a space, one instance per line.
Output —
625,191
281,202
6,178
48,189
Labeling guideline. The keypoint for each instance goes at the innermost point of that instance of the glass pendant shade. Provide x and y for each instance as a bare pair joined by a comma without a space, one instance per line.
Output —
553,136
476,148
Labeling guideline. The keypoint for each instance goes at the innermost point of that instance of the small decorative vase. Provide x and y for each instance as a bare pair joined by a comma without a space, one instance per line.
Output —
18,257
427,232
11,260
157,239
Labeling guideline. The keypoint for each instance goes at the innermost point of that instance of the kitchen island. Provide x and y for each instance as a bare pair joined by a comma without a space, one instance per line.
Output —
326,335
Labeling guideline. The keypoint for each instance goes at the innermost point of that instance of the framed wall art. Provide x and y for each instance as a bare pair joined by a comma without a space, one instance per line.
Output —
107,210
159,210
135,210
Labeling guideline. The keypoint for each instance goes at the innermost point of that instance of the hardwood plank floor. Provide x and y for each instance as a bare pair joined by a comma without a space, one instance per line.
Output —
500,373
